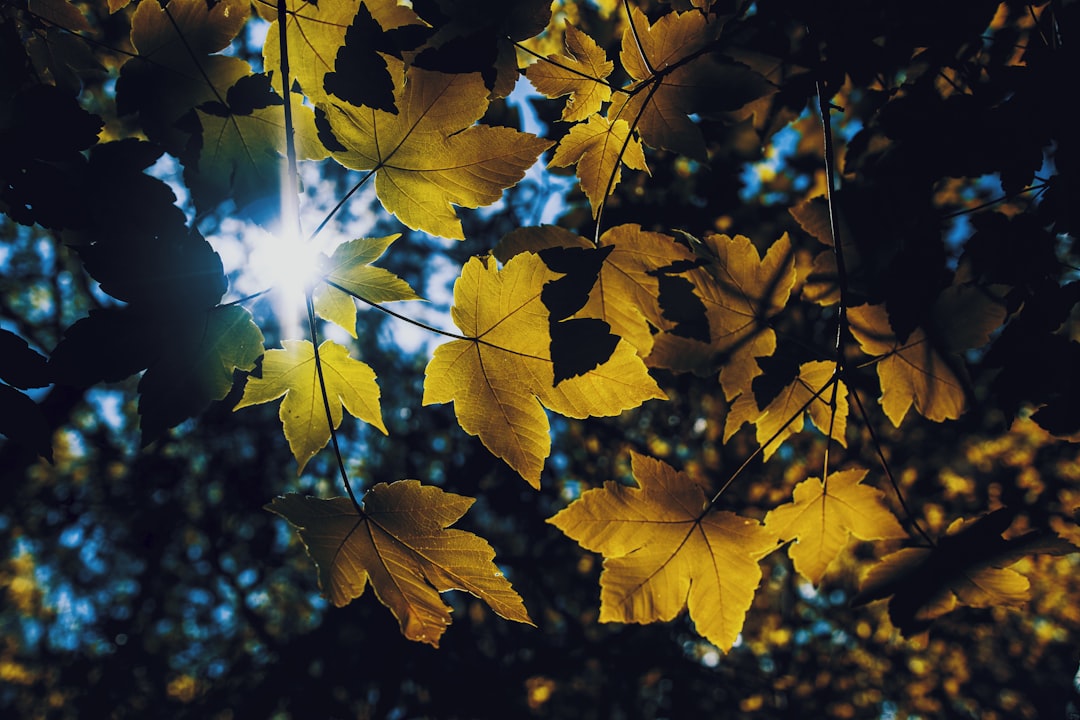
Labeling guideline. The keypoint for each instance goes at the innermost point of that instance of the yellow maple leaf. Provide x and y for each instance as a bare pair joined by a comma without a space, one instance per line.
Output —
348,273
401,542
597,147
502,376
626,291
315,33
430,156
822,516
292,372
666,551
925,370
783,417
740,291
580,75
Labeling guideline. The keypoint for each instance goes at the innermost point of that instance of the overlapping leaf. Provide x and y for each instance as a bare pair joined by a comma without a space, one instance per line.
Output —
969,566
597,148
824,514
626,293
740,291
925,370
580,74
674,78
430,156
402,543
178,68
665,551
502,376
292,372
315,35
348,273
809,394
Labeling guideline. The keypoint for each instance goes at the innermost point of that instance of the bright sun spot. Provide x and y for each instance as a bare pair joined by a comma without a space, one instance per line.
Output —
288,266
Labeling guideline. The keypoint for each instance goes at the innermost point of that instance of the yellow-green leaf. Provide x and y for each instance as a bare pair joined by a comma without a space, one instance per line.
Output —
580,74
430,156
402,544
665,551
823,515
597,147
502,377
348,273
292,372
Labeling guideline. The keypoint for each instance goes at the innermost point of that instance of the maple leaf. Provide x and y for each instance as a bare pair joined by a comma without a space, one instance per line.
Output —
783,417
628,286
969,566
580,75
430,156
176,69
316,35
348,273
597,147
239,149
665,551
502,376
822,516
292,372
925,370
400,542
740,291
673,78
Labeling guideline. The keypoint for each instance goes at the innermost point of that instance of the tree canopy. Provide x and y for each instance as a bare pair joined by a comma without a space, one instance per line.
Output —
647,359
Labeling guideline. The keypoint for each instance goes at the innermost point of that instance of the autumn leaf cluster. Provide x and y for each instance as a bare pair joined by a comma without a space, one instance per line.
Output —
857,316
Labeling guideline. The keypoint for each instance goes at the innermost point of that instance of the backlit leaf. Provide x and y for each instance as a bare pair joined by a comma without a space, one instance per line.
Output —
597,147
822,516
291,371
315,34
925,370
665,551
580,75
626,292
430,156
402,544
349,273
783,417
673,79
740,291
502,377
969,566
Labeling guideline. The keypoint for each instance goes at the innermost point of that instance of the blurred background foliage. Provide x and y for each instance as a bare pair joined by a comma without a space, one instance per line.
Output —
149,582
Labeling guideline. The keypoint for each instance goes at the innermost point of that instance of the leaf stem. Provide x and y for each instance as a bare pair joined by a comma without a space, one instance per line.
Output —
399,316
314,330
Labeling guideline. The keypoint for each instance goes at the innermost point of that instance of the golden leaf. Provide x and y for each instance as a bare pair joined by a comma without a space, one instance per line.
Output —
784,415
666,551
925,370
597,147
292,372
627,289
502,377
579,75
400,543
822,516
430,155
740,291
